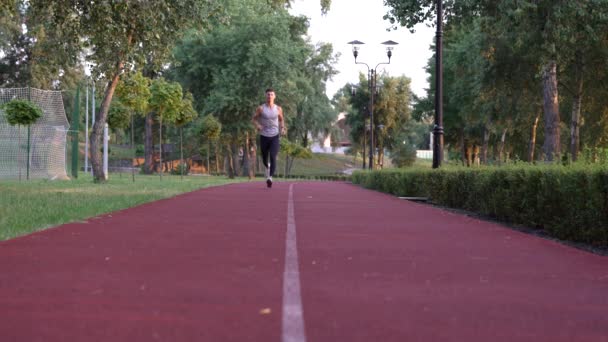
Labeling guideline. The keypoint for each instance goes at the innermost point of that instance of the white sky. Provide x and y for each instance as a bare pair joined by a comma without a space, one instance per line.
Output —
349,20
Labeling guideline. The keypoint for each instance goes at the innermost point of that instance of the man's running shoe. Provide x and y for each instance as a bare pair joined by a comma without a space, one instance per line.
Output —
269,182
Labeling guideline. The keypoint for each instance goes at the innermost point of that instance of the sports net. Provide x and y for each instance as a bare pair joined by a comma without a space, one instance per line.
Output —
47,138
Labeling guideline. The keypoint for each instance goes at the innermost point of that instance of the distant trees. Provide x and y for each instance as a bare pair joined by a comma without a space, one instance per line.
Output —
116,36
228,69
392,114
506,62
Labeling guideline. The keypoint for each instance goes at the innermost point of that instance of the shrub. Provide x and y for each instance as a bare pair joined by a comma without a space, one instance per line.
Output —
21,112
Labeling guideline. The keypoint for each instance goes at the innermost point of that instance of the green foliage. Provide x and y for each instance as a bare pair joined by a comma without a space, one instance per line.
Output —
133,90
124,31
211,128
567,202
186,112
392,112
21,112
181,169
166,99
403,155
411,12
118,36
228,69
119,116
294,150
494,54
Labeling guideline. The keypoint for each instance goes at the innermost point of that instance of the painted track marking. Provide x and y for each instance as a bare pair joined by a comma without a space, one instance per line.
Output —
293,318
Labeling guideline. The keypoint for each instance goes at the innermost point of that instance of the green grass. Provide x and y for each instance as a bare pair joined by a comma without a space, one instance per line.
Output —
29,206
320,164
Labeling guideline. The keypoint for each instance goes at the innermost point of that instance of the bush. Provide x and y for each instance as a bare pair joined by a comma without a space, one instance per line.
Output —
403,155
570,203
181,169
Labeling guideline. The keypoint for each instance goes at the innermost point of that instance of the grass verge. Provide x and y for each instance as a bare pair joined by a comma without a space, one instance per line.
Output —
29,206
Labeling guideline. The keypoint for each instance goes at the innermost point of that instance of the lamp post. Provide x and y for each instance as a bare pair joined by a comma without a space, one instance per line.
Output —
371,83
438,127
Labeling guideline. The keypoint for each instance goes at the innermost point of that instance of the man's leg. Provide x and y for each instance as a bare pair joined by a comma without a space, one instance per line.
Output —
274,150
265,147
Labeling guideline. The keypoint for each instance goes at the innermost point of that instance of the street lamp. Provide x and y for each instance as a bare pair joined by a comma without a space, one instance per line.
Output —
371,82
438,127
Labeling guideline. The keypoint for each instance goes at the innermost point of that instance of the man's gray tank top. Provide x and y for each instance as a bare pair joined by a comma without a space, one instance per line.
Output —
269,119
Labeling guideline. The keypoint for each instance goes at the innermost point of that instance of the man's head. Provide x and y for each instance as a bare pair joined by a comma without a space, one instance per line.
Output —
270,95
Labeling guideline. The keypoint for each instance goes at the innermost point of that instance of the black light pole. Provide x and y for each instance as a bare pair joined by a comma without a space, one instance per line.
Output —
371,82
438,129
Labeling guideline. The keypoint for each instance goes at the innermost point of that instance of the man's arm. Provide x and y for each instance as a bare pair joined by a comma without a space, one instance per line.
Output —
282,126
255,118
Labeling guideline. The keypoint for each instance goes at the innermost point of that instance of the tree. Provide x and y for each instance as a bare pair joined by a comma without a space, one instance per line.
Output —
211,130
133,90
392,113
314,114
291,151
228,69
185,115
166,102
119,35
119,116
15,46
22,113
550,41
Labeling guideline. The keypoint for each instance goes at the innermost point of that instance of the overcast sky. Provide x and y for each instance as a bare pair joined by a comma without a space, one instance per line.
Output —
349,20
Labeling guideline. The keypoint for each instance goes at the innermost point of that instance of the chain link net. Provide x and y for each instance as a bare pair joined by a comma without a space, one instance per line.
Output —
47,137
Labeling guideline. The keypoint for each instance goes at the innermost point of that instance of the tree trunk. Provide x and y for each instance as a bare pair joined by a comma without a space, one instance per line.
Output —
532,144
229,162
485,142
252,158
97,134
217,158
208,156
291,165
484,145
576,108
149,145
133,146
181,152
551,146
501,146
246,161
364,147
160,145
467,153
463,147
236,158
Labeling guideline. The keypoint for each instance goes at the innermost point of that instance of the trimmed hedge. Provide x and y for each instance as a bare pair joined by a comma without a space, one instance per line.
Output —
568,202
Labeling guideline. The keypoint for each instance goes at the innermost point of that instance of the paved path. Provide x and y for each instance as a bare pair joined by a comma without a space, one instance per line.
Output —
328,262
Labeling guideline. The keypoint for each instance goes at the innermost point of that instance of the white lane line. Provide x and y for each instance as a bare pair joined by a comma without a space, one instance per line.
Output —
293,319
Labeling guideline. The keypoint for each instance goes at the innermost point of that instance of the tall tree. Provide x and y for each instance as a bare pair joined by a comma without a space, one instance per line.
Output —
166,102
134,93
229,68
392,113
118,35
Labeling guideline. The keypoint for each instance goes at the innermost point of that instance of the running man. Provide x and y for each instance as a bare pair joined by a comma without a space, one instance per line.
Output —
268,120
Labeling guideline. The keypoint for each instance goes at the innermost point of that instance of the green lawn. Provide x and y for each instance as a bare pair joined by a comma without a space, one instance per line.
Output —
29,206
320,164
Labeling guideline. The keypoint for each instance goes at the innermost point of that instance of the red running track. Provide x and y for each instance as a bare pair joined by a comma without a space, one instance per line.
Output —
209,266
